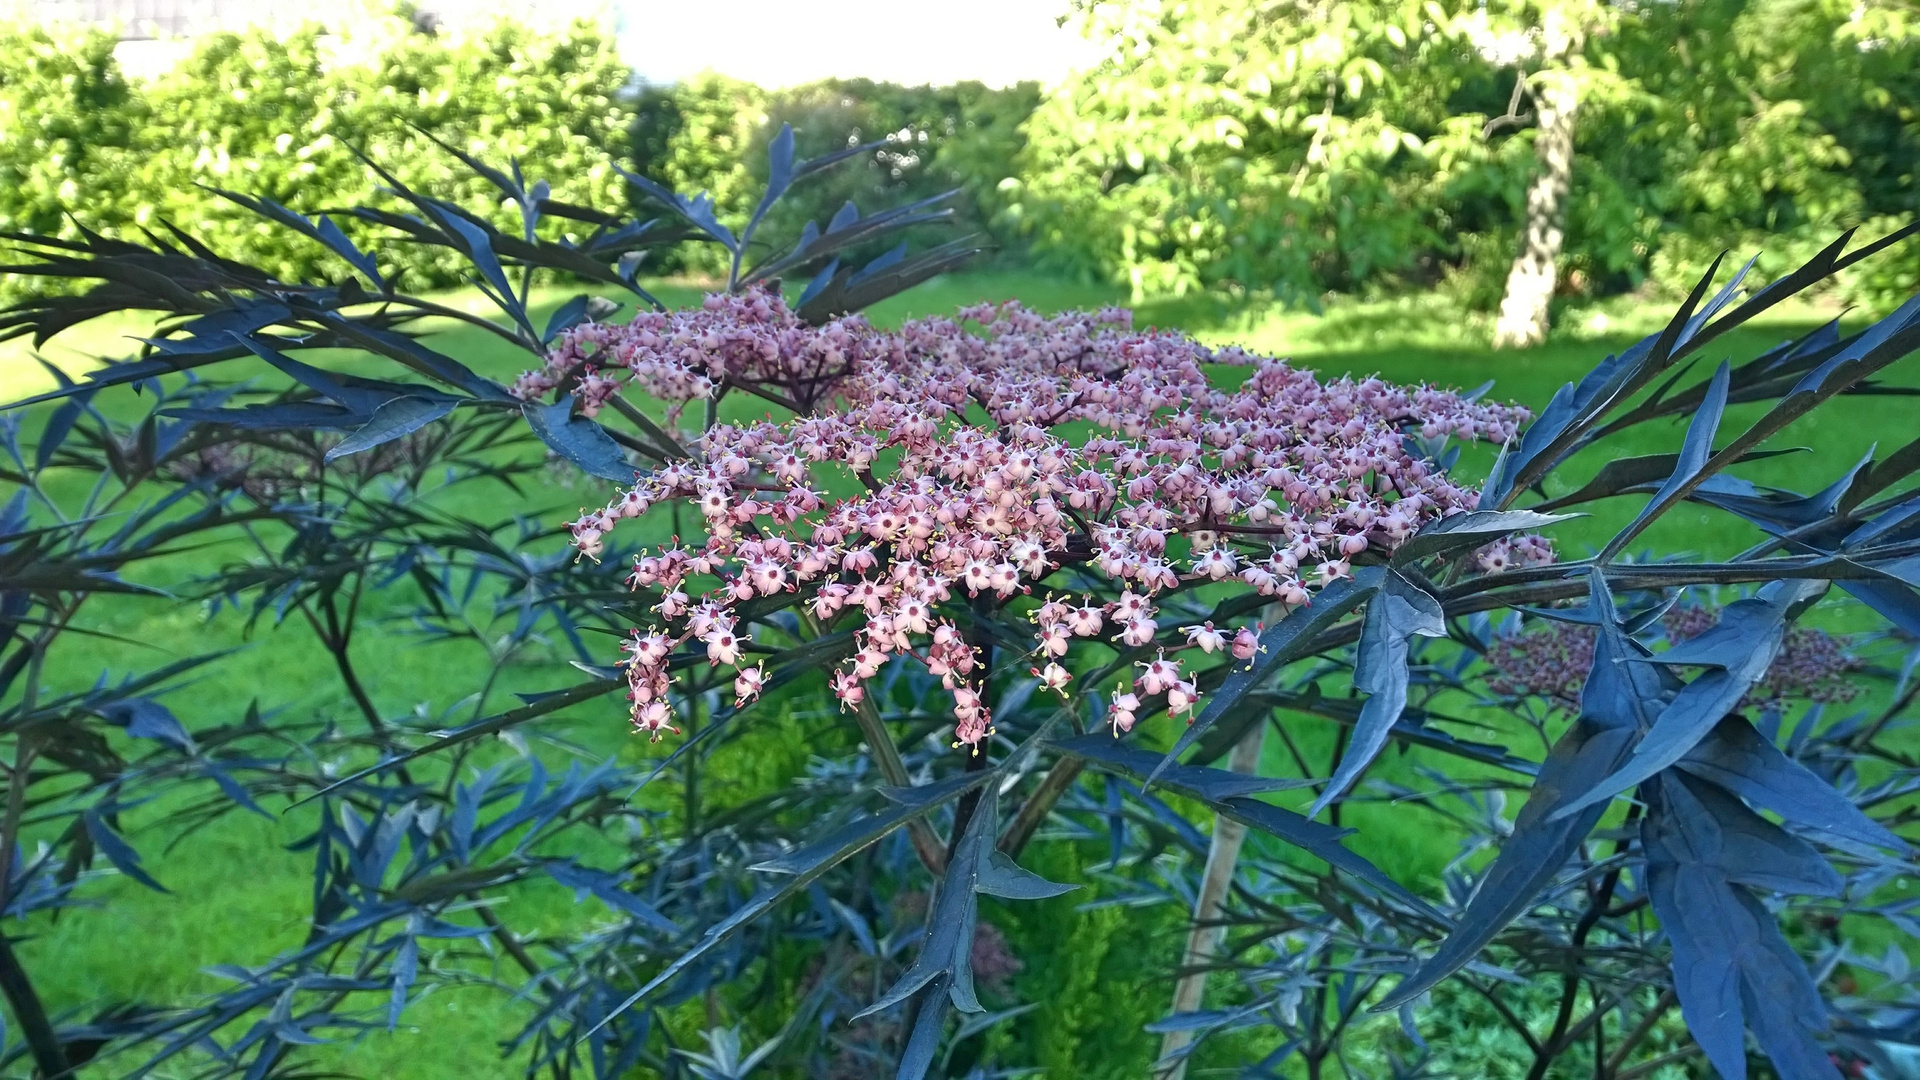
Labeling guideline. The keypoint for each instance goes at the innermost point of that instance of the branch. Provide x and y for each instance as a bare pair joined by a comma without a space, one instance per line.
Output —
1513,116
887,756
1039,804
1222,855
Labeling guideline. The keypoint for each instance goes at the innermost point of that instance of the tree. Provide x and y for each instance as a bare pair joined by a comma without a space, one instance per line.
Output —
1555,90
1298,149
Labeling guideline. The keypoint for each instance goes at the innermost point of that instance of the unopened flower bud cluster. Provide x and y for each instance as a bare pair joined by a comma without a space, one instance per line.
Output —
991,452
1552,661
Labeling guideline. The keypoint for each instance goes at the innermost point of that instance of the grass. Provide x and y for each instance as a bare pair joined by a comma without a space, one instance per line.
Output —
238,896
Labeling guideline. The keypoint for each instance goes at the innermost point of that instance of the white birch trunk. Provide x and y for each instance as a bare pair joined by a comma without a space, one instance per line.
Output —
1530,284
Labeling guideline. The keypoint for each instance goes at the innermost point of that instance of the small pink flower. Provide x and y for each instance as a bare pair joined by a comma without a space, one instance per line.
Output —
1084,621
1053,677
1246,643
1159,675
723,648
747,684
1205,636
1181,697
848,689
1217,563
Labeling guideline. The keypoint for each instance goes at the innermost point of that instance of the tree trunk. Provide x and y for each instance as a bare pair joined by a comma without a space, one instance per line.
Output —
1204,939
1523,311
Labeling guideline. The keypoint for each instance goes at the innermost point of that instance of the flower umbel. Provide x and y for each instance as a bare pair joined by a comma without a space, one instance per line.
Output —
967,487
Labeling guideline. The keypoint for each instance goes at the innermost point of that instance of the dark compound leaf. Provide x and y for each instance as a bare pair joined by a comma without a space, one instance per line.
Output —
398,418
1618,700
805,866
1620,475
605,887
59,426
1471,530
946,953
1005,878
1530,858
145,718
1718,832
1739,759
1730,962
779,178
118,852
924,1042
1396,614
1289,639
1736,652
1321,841
565,317
282,416
578,439
1695,451
1574,408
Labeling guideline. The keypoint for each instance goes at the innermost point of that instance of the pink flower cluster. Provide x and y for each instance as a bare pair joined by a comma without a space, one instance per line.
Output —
948,435
749,340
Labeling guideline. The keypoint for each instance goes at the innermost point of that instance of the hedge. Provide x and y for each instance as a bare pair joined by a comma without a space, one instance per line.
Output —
281,118
276,118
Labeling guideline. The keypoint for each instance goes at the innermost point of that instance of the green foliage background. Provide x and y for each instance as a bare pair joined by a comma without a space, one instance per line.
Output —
280,118
1312,146
1251,149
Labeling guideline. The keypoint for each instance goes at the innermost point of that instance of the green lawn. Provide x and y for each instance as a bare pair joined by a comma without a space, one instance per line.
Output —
140,945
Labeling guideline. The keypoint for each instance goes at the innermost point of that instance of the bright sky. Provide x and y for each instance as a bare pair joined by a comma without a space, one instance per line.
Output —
785,42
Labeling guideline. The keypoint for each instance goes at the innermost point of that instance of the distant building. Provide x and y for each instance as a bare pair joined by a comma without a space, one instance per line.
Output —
163,20
156,34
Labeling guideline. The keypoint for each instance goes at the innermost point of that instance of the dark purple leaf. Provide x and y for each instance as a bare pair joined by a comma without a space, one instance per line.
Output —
1695,451
1620,697
1004,878
398,418
1470,530
1396,614
1713,830
118,851
578,439
145,718
1287,640
1730,963
1318,840
1737,652
1739,759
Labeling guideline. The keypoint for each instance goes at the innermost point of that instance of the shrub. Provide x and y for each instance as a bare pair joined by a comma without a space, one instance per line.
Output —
1005,545
67,118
